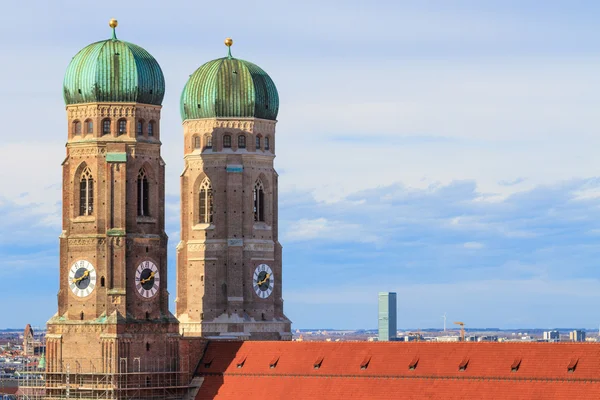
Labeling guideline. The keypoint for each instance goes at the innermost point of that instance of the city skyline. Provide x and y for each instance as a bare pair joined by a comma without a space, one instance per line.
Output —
466,184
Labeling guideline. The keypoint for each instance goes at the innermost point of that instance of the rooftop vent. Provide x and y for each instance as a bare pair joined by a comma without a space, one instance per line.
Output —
274,362
318,362
365,362
514,367
208,361
572,365
413,364
240,361
463,364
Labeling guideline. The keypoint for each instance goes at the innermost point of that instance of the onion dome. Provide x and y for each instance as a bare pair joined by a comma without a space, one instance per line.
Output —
113,71
229,88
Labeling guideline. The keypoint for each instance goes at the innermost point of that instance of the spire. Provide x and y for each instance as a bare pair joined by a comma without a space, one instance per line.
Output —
113,23
228,43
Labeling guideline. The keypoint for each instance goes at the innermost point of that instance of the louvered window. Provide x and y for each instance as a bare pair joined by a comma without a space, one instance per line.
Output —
143,194
259,202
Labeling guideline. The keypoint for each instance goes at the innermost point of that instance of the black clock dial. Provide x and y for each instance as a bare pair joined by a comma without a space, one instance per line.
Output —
263,280
82,278
147,277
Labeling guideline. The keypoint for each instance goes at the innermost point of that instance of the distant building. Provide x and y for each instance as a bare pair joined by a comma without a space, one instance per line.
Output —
488,338
387,316
28,341
577,336
552,336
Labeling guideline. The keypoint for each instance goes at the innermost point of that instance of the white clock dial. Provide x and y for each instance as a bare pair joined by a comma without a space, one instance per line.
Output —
263,281
147,279
82,278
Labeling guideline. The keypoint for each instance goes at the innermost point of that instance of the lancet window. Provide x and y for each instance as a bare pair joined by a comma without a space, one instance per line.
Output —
143,194
86,193
259,201
206,202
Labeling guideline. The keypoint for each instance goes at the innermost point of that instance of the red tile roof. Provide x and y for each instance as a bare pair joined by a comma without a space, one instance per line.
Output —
367,370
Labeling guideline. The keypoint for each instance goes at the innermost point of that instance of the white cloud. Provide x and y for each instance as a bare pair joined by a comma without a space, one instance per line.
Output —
473,245
321,228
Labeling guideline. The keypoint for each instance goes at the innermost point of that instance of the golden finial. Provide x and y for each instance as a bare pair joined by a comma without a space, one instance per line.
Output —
113,23
228,42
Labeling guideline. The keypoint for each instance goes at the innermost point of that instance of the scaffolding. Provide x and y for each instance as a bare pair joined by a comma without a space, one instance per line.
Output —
136,379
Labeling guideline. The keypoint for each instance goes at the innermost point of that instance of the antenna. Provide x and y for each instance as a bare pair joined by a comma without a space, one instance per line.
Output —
444,316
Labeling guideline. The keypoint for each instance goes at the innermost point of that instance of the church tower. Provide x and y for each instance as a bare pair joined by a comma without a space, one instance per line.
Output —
113,314
229,271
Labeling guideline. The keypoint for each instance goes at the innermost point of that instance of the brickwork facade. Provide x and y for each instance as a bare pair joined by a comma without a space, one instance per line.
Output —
113,313
226,235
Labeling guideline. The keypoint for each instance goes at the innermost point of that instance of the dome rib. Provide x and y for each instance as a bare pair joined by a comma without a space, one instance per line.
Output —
229,88
113,71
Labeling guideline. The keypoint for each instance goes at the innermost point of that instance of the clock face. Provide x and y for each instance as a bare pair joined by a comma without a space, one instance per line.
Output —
82,278
147,279
263,281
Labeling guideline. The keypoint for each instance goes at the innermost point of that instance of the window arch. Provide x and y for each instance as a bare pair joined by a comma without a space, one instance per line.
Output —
86,193
106,126
89,126
76,128
267,144
258,143
140,127
143,194
196,142
259,201
242,142
206,203
208,141
122,126
226,141
151,128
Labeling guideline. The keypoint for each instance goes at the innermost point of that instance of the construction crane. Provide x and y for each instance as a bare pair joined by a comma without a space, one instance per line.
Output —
462,330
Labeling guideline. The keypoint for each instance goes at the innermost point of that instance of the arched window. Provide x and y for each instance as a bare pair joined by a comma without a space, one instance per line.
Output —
76,128
81,316
151,128
102,282
89,126
140,127
147,349
208,141
259,201
106,126
86,193
258,143
143,194
241,142
206,203
122,126
196,142
267,144
227,141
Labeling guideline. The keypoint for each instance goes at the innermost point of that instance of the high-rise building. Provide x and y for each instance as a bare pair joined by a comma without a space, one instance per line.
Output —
229,267
552,336
577,336
387,316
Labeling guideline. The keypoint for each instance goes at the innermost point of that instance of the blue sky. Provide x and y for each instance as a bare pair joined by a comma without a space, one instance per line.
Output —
445,150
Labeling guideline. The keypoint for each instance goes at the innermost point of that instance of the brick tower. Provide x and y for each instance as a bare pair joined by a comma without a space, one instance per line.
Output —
113,333
229,271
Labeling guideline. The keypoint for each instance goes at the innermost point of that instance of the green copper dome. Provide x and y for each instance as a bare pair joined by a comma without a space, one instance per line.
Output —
229,87
113,71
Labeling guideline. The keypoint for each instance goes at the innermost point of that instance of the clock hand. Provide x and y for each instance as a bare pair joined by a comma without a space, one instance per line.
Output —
148,278
264,280
82,277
